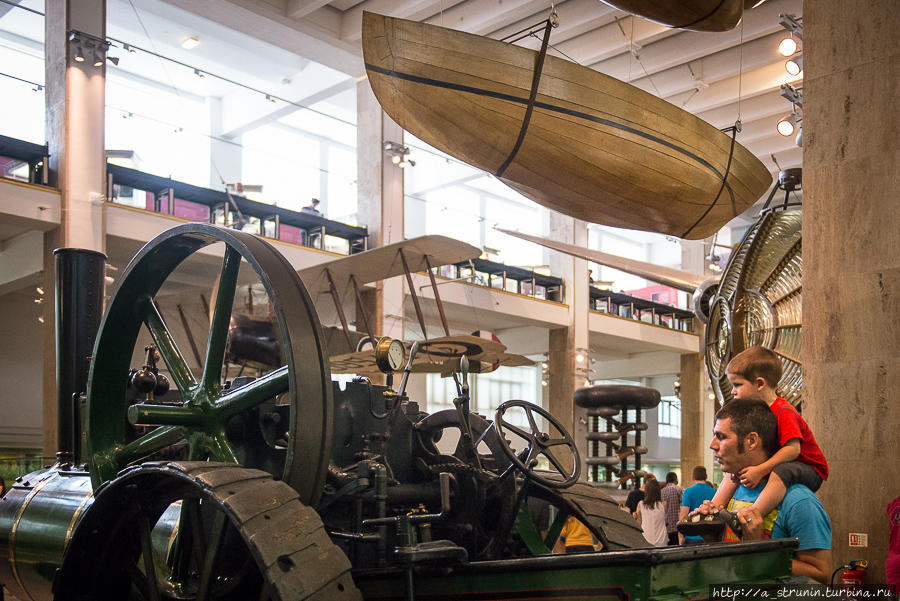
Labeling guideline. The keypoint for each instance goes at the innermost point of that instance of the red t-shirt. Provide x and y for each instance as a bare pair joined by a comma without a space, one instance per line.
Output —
792,425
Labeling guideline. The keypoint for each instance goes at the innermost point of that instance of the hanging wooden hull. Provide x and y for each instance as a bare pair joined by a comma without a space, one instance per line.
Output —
596,148
696,15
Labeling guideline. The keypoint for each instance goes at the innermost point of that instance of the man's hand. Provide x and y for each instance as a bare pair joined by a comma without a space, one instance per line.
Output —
751,521
753,475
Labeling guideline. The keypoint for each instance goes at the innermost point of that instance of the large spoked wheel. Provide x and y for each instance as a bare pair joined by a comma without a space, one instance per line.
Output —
567,464
207,411
241,535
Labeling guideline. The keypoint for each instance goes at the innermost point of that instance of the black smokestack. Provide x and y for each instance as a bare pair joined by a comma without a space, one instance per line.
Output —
80,276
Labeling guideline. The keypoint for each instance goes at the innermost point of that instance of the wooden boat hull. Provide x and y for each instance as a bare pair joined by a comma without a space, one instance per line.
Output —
695,15
596,148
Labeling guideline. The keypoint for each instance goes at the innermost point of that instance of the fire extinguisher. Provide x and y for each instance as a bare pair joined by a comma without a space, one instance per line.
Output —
853,576
855,572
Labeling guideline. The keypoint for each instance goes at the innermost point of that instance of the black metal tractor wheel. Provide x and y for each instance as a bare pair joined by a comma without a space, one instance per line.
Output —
205,415
201,531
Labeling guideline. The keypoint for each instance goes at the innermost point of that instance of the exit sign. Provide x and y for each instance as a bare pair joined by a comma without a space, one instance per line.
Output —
858,539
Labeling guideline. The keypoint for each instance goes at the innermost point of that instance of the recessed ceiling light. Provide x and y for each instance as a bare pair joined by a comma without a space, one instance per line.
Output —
189,43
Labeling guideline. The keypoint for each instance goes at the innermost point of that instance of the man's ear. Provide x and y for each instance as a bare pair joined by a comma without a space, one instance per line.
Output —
752,441
759,383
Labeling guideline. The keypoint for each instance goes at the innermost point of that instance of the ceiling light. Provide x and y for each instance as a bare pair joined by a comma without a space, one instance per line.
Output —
98,59
794,65
198,72
79,54
786,126
113,59
788,46
398,153
190,43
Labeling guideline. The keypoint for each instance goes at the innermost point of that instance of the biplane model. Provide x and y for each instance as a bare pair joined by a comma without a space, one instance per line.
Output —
252,340
701,287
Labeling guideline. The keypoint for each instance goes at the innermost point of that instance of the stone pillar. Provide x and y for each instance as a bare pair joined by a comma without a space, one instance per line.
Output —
697,416
76,94
851,273
75,99
567,344
380,204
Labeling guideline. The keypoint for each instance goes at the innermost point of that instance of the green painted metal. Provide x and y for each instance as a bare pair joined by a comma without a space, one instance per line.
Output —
206,410
37,516
635,575
529,534
165,344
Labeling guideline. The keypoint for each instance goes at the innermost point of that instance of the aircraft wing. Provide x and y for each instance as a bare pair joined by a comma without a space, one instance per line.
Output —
676,278
385,262
438,355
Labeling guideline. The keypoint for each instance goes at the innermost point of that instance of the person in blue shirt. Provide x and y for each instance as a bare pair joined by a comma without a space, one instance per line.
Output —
692,498
746,434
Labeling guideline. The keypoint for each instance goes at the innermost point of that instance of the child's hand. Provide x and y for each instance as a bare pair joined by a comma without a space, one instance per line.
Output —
707,507
753,475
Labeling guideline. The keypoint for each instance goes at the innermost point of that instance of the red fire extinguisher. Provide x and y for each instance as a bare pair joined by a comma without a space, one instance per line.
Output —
854,576
855,572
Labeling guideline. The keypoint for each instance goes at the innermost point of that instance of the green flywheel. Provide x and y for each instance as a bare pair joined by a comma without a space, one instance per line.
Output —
120,433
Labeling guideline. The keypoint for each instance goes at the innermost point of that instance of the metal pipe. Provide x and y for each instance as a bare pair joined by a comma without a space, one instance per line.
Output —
80,275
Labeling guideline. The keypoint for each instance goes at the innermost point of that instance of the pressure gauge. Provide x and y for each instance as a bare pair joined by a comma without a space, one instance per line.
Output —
389,355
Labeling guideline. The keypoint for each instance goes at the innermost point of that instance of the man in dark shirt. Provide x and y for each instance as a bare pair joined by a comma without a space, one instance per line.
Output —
636,495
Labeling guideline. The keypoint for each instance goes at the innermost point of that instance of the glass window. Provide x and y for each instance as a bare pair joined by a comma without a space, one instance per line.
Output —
290,179
669,417
22,60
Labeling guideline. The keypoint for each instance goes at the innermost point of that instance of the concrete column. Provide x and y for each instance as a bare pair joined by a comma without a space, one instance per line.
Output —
851,272
75,118
380,203
567,344
697,416
75,100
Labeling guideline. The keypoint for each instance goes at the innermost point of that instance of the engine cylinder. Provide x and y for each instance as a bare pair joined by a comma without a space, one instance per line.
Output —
37,518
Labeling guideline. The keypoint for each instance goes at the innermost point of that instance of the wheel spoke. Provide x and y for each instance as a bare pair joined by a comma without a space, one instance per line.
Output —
252,394
211,380
168,350
532,451
220,449
554,461
209,561
531,422
517,430
147,554
150,442
195,523
556,441
138,581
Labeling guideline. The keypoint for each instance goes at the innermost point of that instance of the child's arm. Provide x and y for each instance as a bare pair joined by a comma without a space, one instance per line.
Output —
725,491
751,476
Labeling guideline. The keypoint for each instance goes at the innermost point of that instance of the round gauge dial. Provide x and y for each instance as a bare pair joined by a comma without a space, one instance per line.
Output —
389,355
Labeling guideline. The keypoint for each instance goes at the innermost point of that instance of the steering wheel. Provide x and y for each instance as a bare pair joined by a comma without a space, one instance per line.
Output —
538,443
